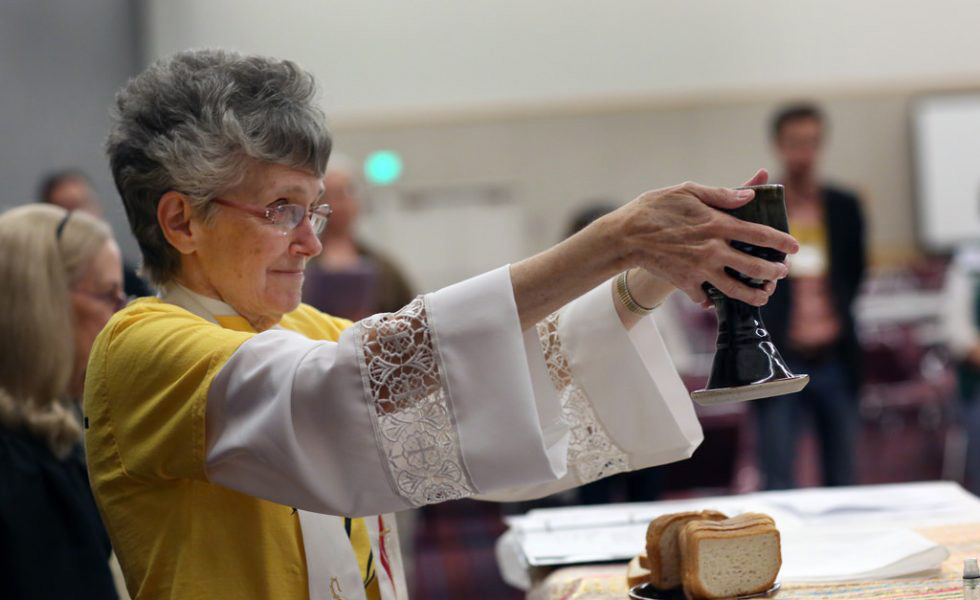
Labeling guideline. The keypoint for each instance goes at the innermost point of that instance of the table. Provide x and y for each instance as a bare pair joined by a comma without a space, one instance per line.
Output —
608,582
959,531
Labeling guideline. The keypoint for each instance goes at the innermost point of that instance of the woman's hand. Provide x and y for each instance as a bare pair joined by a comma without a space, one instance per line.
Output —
676,235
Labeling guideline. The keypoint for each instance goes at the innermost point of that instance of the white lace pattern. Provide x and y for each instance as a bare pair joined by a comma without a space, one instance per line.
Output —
412,415
591,452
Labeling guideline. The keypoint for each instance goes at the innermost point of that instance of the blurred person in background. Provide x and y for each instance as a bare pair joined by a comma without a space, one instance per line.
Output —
961,326
243,444
810,316
349,279
62,281
72,189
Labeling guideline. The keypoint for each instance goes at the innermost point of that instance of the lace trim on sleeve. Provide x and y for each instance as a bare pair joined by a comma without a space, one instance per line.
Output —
410,409
591,452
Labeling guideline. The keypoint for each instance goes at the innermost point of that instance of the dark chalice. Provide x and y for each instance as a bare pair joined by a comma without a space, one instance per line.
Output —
747,365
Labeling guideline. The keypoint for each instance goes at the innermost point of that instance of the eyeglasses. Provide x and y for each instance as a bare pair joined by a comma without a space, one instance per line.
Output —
61,225
285,216
114,299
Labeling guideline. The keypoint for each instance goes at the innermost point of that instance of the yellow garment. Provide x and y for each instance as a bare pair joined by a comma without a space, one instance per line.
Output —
814,250
176,534
810,231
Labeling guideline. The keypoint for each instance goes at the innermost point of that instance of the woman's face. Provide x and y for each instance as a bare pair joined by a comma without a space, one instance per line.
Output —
95,296
246,261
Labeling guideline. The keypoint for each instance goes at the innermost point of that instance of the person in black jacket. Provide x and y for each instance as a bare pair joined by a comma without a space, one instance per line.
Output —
62,281
810,315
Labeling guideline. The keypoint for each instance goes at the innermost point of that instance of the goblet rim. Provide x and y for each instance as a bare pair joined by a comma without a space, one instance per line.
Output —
761,186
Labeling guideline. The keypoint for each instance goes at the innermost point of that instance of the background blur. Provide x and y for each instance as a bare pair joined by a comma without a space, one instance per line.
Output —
510,115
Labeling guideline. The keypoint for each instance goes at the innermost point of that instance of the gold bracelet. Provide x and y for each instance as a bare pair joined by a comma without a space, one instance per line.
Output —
623,292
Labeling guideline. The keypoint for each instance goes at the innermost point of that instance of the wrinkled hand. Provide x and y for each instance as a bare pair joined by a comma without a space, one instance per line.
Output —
677,235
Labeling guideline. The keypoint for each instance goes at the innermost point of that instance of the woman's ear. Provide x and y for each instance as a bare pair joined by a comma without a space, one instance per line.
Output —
174,212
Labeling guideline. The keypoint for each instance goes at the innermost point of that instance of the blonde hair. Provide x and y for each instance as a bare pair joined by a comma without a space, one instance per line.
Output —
37,268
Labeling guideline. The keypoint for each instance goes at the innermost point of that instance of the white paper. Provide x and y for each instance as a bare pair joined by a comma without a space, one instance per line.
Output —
849,555
584,545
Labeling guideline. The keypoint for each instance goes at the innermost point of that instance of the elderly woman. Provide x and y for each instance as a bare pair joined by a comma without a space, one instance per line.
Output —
62,280
242,444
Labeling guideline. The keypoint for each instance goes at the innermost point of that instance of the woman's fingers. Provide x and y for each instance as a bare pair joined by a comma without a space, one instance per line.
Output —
736,290
718,197
754,267
726,198
760,235
748,265
761,177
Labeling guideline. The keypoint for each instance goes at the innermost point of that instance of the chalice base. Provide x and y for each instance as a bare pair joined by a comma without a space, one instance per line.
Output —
752,391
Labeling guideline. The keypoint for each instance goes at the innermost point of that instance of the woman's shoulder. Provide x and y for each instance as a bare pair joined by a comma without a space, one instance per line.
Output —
151,306
153,314
151,332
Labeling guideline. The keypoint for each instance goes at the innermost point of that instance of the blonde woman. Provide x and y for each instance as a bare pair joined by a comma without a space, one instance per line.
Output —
61,281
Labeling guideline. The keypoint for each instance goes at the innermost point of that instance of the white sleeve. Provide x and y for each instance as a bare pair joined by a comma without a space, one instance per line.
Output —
435,402
958,320
620,394
446,399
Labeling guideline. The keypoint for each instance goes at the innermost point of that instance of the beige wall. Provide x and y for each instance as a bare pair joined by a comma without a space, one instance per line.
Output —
376,57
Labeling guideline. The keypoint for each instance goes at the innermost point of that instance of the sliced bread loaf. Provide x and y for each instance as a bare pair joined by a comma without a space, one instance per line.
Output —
725,559
663,554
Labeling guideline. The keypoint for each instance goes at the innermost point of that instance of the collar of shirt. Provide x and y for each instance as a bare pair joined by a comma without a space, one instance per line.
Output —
208,308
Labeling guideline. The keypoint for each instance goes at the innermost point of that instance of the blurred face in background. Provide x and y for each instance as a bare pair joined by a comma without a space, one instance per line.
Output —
75,193
95,296
798,147
341,195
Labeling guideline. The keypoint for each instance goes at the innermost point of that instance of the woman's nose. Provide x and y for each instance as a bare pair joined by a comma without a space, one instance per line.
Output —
305,241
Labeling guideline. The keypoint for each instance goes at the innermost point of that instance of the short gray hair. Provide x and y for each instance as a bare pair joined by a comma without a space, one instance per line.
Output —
194,122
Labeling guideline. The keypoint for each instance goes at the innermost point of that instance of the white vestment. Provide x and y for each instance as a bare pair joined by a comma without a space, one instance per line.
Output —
444,399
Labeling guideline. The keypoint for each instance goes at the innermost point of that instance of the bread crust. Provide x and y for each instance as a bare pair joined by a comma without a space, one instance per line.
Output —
741,526
662,577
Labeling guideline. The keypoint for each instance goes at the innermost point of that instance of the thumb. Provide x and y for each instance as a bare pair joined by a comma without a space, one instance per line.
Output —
718,197
761,177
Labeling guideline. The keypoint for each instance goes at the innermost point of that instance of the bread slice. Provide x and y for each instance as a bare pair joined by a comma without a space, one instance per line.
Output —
636,573
663,555
725,559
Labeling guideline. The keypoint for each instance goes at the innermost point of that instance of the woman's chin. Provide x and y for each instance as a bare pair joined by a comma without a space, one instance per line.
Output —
286,302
